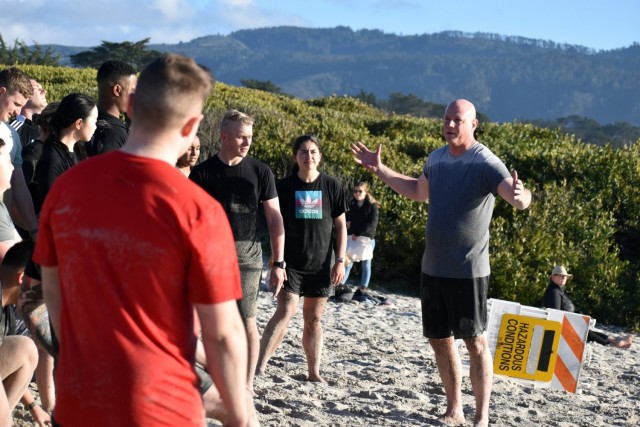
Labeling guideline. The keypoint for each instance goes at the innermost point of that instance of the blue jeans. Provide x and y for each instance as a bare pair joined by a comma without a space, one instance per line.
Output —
366,269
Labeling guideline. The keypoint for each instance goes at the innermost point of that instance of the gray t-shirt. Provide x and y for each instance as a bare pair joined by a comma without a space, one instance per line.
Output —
462,192
7,229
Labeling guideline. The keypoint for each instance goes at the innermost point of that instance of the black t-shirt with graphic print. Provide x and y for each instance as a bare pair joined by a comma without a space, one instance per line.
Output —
308,211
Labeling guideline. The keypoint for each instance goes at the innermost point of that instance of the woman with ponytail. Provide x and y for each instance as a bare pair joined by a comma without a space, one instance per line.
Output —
74,121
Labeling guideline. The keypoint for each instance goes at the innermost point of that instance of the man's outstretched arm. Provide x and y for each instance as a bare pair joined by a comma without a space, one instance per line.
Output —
412,188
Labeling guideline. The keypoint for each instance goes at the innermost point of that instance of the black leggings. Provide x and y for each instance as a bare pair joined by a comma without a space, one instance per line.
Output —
598,337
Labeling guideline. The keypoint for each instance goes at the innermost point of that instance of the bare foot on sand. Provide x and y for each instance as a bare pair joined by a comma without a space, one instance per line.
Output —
316,379
623,342
452,420
481,423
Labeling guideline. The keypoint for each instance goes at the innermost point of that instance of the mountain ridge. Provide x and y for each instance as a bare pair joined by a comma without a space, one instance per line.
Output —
507,77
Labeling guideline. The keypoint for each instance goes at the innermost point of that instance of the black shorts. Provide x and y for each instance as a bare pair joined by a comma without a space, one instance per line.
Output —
453,307
311,285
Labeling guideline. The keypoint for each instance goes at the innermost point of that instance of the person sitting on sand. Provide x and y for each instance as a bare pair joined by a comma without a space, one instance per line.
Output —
555,297
34,311
18,355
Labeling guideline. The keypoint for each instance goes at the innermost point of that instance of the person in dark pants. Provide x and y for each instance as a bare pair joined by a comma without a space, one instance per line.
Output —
554,297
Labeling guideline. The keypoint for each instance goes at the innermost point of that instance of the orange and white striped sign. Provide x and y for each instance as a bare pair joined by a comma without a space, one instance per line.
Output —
571,349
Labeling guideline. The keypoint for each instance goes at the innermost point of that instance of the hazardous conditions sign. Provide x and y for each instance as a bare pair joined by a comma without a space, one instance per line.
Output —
527,347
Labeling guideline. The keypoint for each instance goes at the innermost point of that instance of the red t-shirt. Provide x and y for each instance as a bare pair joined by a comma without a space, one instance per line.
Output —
136,244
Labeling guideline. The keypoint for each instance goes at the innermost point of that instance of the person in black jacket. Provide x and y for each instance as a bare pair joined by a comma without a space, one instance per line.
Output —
362,220
555,297
117,80
33,151
74,121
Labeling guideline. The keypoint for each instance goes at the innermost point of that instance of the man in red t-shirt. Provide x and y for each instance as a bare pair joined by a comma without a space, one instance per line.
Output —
128,247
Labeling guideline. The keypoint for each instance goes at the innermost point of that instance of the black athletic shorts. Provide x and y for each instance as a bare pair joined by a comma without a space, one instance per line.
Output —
453,307
311,285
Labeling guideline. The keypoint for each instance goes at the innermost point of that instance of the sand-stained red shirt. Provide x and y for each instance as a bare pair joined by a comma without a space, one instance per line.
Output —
136,245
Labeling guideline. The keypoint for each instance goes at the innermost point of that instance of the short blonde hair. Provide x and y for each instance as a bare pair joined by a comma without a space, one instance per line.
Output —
15,80
237,117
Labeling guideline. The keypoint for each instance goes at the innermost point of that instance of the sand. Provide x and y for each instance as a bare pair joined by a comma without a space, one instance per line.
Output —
381,372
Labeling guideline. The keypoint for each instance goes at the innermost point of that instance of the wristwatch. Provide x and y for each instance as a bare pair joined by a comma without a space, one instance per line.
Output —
280,264
340,259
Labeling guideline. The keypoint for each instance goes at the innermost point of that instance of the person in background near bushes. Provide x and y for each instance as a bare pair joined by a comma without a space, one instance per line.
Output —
313,205
242,184
124,267
116,81
188,160
555,297
460,181
362,220
24,122
74,121
31,153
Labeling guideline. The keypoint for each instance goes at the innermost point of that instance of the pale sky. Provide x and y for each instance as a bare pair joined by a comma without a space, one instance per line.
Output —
596,24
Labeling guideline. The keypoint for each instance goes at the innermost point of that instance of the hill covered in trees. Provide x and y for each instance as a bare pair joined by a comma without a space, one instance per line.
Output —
584,213
508,78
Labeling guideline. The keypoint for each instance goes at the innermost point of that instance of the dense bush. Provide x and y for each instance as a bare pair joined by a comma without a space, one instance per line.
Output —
61,81
586,206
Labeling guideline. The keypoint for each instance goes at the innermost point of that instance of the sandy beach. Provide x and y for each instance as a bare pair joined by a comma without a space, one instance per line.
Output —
382,372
